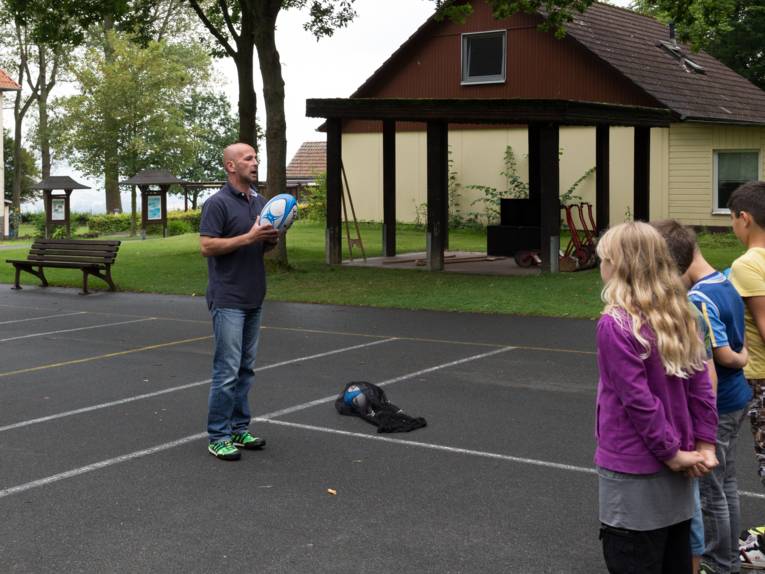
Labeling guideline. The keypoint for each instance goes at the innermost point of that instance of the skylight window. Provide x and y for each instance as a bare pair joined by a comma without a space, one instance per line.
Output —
688,65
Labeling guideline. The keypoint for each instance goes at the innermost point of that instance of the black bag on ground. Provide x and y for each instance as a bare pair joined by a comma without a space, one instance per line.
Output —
368,401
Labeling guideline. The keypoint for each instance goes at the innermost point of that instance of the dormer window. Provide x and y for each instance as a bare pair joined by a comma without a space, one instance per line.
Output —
484,57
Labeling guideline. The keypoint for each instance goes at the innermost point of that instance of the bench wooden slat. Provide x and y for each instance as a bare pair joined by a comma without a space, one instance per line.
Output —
69,247
78,242
72,254
62,264
90,261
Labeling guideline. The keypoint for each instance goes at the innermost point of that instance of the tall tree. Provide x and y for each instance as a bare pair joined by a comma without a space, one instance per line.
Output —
559,12
28,171
143,90
208,116
239,27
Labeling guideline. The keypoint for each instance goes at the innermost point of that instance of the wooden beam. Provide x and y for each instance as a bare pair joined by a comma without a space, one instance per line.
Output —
549,178
642,174
602,175
333,237
389,188
514,111
438,176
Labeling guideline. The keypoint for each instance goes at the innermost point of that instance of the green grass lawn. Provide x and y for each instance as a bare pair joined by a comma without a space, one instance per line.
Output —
174,265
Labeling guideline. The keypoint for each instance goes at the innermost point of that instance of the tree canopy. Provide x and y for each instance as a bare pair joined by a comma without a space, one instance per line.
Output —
30,173
144,90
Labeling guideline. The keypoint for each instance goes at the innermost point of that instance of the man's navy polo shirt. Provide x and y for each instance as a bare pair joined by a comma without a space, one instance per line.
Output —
238,279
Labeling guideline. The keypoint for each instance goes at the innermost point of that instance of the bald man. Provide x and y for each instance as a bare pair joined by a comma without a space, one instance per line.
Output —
233,241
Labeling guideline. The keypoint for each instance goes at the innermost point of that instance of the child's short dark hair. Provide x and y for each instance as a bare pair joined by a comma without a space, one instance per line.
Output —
749,197
681,241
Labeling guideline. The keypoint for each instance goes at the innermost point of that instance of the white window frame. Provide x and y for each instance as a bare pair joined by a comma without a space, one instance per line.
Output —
472,81
715,191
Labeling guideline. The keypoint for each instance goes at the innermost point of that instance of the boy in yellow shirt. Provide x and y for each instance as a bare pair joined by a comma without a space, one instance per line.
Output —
747,211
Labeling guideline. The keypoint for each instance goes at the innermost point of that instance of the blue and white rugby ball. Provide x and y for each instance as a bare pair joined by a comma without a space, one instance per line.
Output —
280,211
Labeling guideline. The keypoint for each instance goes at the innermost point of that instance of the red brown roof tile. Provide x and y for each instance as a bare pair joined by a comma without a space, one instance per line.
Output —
7,83
630,43
310,160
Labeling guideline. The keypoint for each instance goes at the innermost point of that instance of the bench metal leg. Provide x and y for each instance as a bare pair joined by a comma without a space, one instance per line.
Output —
28,268
84,282
16,284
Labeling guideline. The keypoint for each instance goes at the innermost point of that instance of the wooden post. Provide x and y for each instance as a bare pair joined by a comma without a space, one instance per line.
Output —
549,178
389,188
48,212
67,217
602,175
164,189
438,179
333,236
642,175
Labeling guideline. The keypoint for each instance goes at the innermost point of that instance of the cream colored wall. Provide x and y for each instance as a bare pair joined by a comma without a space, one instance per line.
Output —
681,178
691,167
478,160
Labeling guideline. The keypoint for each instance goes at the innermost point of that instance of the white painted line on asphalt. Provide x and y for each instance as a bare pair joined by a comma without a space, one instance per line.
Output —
328,399
77,329
97,465
48,418
42,317
484,454
455,450
168,445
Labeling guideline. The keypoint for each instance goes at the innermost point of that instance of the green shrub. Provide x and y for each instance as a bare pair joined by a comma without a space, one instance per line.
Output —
177,226
109,223
313,206
190,218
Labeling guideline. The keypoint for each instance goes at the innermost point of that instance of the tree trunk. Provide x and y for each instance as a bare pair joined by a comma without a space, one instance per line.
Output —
42,106
111,161
245,75
265,13
20,108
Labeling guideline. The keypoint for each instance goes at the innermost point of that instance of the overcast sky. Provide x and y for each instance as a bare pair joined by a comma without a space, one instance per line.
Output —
328,68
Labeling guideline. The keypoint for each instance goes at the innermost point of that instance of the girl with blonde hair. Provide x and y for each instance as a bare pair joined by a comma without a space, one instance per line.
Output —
656,413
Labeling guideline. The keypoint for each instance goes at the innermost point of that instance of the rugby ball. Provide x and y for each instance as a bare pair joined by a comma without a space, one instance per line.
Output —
280,211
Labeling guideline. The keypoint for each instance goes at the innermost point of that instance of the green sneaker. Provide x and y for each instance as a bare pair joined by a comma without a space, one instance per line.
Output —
247,441
224,450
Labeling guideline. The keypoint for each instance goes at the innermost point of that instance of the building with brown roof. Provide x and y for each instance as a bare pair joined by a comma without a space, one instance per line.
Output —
714,140
309,161
6,84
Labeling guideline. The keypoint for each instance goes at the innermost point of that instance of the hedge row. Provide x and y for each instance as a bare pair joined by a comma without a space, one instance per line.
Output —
178,222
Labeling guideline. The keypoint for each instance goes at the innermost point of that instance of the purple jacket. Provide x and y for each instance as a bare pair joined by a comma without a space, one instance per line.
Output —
644,416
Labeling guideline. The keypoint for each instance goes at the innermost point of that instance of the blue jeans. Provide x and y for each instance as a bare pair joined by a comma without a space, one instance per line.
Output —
236,342
697,522
719,499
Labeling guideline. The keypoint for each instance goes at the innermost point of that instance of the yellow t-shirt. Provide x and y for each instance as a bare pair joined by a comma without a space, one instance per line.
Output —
748,277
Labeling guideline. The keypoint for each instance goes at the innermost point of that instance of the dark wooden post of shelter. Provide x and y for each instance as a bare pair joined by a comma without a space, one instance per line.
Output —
438,180
389,188
602,175
642,176
549,188
57,209
154,184
333,240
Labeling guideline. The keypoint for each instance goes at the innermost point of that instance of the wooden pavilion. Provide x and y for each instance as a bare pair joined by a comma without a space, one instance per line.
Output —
543,118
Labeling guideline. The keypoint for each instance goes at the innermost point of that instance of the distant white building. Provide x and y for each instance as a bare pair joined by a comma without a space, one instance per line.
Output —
6,85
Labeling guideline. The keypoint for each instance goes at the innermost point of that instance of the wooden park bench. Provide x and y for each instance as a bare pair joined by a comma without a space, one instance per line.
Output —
93,257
